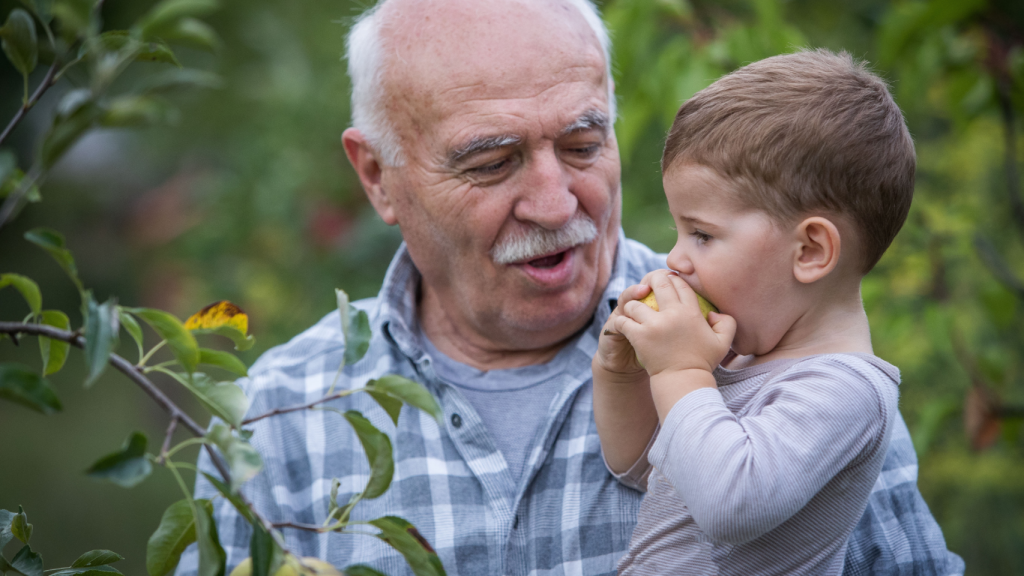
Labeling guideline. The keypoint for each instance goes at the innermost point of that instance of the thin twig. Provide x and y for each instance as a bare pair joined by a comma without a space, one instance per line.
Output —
299,407
47,82
135,375
298,526
167,439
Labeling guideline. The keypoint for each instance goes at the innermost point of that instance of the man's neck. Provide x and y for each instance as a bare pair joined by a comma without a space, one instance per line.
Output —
463,344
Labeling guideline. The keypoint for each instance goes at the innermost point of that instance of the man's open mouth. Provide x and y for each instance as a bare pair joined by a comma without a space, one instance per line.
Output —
549,261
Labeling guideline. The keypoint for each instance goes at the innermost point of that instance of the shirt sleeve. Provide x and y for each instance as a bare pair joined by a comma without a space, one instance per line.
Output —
637,475
743,476
898,535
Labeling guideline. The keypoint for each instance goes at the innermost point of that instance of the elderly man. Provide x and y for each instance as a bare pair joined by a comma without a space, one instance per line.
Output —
484,130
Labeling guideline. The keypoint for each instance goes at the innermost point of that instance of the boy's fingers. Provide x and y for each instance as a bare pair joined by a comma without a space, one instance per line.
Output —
723,325
638,312
684,291
625,325
664,289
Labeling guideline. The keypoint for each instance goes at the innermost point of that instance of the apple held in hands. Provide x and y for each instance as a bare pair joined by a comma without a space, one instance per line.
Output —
705,306
292,566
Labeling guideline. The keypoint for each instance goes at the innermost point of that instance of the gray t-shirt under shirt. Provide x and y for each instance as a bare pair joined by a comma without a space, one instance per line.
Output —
512,403
769,473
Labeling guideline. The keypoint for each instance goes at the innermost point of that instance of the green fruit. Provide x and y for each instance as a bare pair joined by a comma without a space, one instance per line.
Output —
292,566
705,306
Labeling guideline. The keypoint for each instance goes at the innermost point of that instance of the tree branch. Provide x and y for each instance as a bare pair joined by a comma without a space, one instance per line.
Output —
299,407
167,438
136,375
298,526
48,81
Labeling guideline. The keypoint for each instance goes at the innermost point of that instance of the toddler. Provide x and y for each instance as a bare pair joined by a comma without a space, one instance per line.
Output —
759,432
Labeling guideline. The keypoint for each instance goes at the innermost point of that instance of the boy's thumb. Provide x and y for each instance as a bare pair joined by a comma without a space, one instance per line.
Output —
723,325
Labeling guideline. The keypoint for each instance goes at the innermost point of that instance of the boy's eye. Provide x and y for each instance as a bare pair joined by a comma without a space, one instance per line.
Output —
702,238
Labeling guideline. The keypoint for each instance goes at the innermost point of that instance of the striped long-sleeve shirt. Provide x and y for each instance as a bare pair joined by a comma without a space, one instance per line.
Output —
769,473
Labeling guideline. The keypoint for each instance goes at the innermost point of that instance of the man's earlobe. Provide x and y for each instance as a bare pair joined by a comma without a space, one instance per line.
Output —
818,249
369,169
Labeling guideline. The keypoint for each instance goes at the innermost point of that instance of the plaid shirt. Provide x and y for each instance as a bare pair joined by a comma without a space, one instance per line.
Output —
567,515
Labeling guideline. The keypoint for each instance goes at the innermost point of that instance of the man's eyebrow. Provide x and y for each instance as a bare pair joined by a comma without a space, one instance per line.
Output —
589,120
481,144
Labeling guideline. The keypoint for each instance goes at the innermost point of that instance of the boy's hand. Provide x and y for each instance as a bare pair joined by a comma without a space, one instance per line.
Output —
615,355
676,338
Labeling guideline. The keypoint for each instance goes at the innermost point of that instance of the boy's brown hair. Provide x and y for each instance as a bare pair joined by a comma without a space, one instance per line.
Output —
802,133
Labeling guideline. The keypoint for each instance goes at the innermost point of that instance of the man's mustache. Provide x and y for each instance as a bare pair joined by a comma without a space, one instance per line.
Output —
535,241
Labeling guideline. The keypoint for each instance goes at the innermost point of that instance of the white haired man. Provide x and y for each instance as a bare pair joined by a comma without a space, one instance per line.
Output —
484,130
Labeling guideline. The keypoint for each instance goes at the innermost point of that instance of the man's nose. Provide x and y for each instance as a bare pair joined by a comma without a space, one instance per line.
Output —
547,198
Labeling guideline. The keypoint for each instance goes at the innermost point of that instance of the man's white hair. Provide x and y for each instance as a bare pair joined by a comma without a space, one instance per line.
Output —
366,70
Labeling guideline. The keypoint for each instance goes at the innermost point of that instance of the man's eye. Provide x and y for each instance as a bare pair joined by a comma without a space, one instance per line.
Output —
487,169
585,151
701,237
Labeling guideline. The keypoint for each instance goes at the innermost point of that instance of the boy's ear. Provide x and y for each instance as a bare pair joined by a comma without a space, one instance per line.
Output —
368,167
817,249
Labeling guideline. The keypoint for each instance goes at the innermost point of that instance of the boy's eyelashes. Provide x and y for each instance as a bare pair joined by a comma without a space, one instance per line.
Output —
702,237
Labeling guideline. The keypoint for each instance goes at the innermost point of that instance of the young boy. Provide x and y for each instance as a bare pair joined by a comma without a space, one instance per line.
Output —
787,180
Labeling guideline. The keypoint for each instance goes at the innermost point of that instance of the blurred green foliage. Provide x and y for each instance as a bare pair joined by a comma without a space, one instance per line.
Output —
249,198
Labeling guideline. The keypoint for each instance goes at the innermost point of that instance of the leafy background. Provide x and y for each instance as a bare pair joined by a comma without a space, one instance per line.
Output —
247,196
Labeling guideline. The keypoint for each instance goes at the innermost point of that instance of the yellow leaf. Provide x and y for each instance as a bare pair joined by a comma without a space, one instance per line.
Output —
219,314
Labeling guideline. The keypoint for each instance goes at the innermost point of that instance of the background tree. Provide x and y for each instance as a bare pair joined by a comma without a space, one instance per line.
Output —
249,198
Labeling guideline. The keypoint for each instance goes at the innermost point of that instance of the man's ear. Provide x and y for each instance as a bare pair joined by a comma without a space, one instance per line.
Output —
817,249
364,160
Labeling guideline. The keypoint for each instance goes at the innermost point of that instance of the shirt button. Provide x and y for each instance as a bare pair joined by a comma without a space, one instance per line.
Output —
456,420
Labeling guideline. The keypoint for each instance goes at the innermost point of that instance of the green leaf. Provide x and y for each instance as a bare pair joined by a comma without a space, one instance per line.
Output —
131,325
6,566
29,290
406,539
73,16
102,327
243,460
176,531
96,558
182,343
357,341
87,571
20,527
53,243
20,43
412,393
137,111
241,340
193,32
225,360
361,570
232,497
66,130
378,450
6,517
23,386
391,405
27,562
225,400
126,467
14,181
211,555
264,551
167,14
54,352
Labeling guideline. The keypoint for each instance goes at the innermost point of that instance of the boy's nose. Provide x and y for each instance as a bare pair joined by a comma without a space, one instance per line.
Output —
678,261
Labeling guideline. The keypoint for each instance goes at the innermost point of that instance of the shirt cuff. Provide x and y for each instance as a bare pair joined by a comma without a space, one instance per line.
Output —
636,476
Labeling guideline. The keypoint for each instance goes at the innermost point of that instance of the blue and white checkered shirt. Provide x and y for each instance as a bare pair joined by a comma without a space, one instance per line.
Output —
567,515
